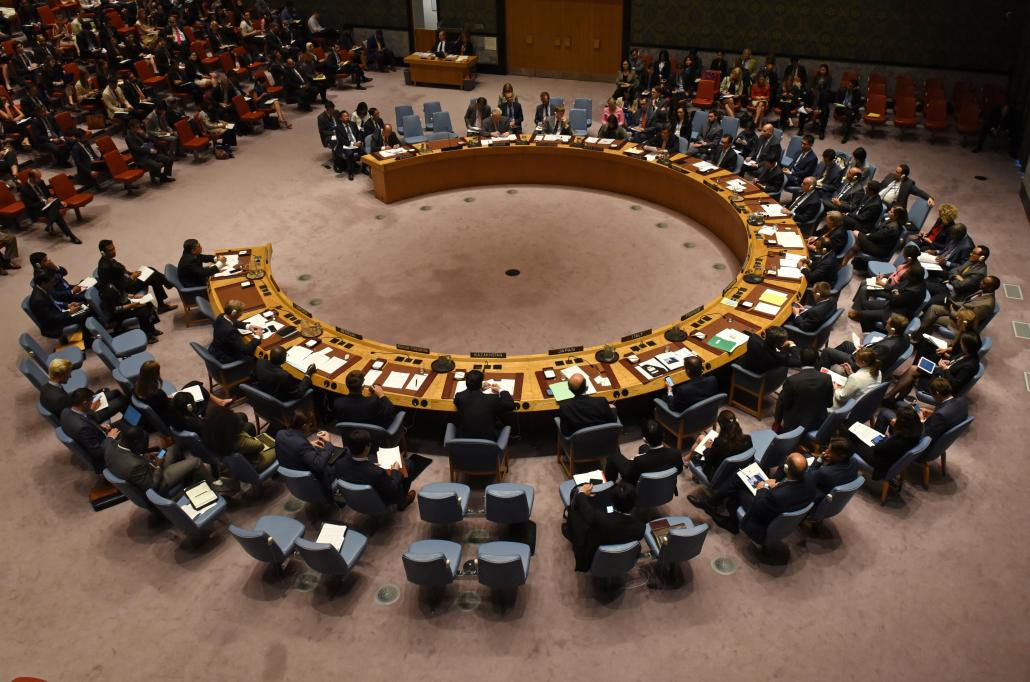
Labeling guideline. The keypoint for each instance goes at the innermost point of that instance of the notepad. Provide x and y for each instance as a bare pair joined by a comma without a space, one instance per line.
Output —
872,285
591,140
789,273
773,210
99,402
143,300
388,457
371,376
297,357
938,342
838,379
198,395
866,433
332,534
704,166
728,340
560,390
145,272
773,297
596,477
767,309
706,442
752,475
88,283
396,380
201,495
789,240
416,382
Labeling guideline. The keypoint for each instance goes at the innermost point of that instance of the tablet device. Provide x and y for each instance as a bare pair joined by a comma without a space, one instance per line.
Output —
131,416
926,365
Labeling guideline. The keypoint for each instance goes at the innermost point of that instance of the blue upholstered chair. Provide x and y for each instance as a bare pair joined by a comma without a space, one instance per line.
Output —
897,470
656,488
592,444
195,527
691,421
223,377
834,421
328,560
124,344
187,295
432,563
613,562
272,540
772,448
509,503
304,486
833,502
362,498
503,565
938,449
443,503
682,544
602,492
728,467
243,471
270,408
781,527
391,436
867,403
35,351
476,456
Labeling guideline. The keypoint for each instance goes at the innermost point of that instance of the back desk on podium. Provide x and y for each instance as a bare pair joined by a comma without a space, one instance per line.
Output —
405,371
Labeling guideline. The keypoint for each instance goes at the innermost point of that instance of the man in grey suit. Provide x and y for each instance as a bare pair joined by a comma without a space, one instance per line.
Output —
497,125
557,124
711,134
128,457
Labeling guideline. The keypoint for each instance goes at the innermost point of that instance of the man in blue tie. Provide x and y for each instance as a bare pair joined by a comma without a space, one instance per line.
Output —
512,110
803,166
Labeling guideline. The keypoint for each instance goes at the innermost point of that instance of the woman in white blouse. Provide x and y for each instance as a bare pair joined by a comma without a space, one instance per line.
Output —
867,374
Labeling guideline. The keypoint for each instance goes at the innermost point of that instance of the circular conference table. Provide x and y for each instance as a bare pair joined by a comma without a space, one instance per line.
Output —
645,357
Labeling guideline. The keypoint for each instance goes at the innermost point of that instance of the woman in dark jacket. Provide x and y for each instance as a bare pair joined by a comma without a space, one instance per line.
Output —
730,441
904,433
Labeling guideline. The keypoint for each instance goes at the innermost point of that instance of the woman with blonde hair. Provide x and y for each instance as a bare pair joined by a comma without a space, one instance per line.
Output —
732,90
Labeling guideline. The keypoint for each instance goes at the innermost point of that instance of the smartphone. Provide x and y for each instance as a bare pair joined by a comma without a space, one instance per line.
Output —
610,509
161,455
668,381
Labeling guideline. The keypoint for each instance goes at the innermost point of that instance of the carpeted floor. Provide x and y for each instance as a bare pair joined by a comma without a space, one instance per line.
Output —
926,587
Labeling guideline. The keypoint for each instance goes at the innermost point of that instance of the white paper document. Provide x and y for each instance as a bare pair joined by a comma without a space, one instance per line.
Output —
789,273
704,166
940,343
145,272
416,382
589,476
865,433
88,283
767,309
730,335
297,358
332,534
387,457
706,442
773,210
752,475
838,379
371,376
569,372
148,298
194,391
789,240
99,402
872,285
396,380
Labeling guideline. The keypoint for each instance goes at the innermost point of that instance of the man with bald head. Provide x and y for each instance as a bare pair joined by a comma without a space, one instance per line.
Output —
773,497
804,207
850,193
581,410
766,149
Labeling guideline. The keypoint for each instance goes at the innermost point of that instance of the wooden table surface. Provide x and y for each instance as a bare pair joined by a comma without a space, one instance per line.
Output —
439,71
678,187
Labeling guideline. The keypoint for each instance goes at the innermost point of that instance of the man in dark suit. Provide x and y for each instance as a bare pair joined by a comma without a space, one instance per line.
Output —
442,46
497,125
374,124
294,450
557,123
195,267
850,102
897,187
805,396
770,177
962,280
828,174
980,302
385,138
276,381
89,163
864,216
512,111
765,150
654,455
725,156
805,206
45,136
109,269
776,497
949,412
802,167
589,526
835,467
479,414
391,484
41,204
775,350
349,146
53,316
478,113
129,458
956,248
298,88
79,425
888,349
227,344
544,110
847,196
821,264
328,124
363,409
146,156
698,387
811,317
378,53
581,410
55,399
709,137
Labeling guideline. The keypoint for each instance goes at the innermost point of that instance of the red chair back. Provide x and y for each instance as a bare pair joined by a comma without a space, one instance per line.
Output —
64,121
905,108
62,186
106,145
936,112
115,163
143,69
182,126
241,106
6,197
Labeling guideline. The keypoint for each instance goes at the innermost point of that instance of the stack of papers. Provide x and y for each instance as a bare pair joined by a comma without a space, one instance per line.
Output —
773,297
560,390
838,379
940,343
198,395
231,261
99,402
388,457
737,185
607,140
773,210
871,285
325,362
596,476
88,283
592,140
704,166
768,231
790,260
674,358
767,309
929,262
332,534
728,340
789,240
297,358
706,442
651,369
866,434
789,273
752,475
505,385
392,152
145,272
371,376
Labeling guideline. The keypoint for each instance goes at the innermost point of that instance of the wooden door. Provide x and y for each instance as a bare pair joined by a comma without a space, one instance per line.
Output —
564,38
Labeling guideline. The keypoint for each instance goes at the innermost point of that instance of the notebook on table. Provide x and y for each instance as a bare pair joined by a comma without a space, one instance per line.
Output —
201,495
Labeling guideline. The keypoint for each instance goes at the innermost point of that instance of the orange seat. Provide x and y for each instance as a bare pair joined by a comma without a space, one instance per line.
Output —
876,110
201,48
63,188
241,52
935,116
244,113
115,21
877,88
847,77
10,207
65,122
147,75
968,122
875,77
228,64
705,95
904,89
120,171
105,144
273,90
905,112
189,141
